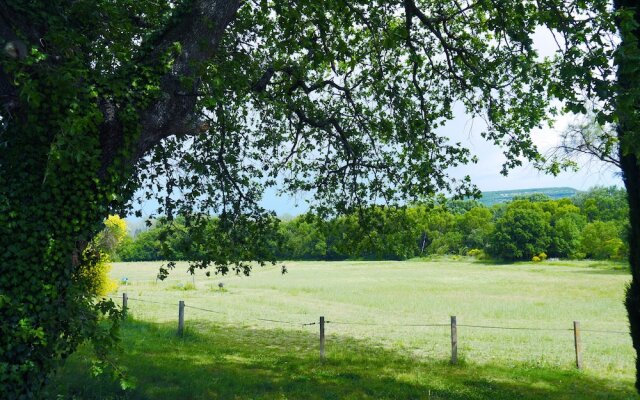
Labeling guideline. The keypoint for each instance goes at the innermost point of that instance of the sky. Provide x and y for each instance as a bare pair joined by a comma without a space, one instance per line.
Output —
486,173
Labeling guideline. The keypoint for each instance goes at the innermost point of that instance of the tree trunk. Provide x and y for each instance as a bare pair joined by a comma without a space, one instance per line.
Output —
59,180
631,173
627,106
45,217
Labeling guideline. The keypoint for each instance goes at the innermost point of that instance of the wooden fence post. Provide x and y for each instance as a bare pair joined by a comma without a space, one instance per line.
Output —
322,338
454,340
180,318
578,343
124,303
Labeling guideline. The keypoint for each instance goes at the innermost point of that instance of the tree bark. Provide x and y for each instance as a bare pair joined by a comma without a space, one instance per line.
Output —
627,105
199,32
631,175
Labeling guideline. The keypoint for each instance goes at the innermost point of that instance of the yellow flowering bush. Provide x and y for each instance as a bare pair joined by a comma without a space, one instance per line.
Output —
95,263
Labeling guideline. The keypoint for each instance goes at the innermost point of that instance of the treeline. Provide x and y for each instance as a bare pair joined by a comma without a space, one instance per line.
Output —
592,224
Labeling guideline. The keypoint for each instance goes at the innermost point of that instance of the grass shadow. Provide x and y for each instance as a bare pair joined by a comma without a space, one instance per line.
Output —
490,262
594,267
602,268
605,272
230,362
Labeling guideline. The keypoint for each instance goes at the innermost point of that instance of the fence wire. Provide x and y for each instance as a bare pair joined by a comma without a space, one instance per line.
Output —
601,331
150,301
513,328
217,312
408,325
376,324
205,309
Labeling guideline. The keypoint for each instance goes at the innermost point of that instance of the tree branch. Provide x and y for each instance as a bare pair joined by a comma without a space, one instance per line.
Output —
199,32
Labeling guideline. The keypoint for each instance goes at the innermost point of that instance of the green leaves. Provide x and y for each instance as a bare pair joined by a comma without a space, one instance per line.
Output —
4,300
78,73
521,233
342,100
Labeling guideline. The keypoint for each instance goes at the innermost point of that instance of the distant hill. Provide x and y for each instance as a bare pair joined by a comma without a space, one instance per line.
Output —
502,196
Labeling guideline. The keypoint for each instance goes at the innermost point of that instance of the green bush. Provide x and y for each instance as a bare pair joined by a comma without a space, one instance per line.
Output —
479,254
603,240
94,263
522,232
183,286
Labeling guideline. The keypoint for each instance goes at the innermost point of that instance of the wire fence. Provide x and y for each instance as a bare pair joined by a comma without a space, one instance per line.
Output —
453,325
212,311
408,325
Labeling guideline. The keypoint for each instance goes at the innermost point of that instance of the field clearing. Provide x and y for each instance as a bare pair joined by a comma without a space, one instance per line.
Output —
370,305
397,293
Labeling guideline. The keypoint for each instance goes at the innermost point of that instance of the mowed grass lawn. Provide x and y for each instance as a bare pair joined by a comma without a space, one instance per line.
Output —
251,342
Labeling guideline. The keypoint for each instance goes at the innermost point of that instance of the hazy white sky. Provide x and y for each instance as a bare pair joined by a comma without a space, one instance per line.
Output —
486,173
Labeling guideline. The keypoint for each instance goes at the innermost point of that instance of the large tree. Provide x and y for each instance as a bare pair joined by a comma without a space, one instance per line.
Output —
208,102
522,232
627,124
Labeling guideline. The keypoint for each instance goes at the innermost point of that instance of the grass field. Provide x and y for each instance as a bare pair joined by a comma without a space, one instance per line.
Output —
255,345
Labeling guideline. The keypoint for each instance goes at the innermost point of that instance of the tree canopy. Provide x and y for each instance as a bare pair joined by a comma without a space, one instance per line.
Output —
206,103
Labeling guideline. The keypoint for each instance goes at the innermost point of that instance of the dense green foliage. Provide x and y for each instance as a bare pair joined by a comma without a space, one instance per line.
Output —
521,233
206,104
518,230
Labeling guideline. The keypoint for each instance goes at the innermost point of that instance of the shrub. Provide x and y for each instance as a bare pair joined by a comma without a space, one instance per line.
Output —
478,254
535,259
114,232
184,286
578,255
603,240
94,269
521,233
